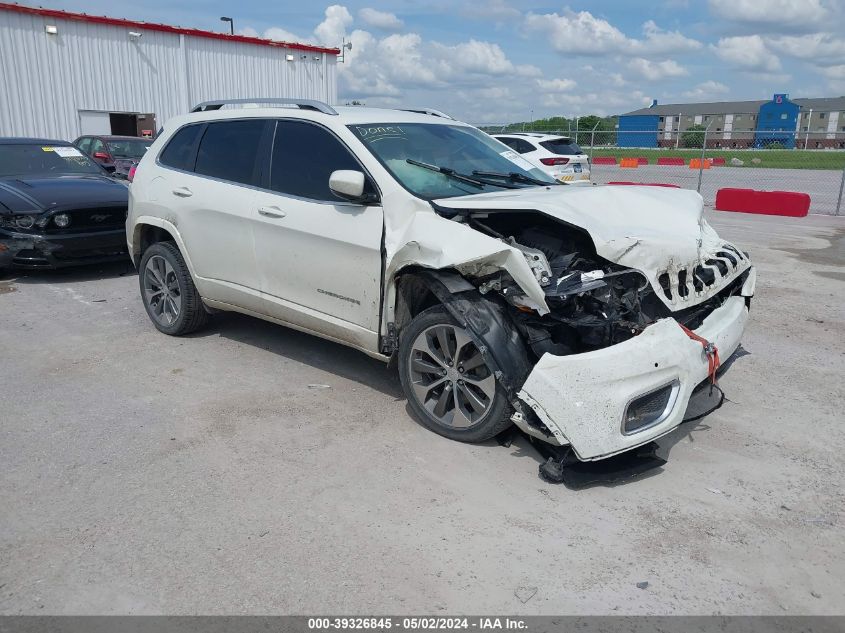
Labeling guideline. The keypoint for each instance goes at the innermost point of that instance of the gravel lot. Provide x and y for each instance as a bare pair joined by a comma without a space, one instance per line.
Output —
822,184
147,474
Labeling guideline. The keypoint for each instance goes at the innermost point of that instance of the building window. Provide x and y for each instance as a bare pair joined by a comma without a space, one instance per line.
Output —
660,119
784,115
718,129
677,119
821,115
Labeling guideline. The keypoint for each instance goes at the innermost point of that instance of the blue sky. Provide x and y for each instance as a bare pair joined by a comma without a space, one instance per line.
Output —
499,61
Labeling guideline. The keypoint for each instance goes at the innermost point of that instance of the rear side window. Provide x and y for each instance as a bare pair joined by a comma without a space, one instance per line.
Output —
562,147
84,144
179,152
228,150
304,156
518,144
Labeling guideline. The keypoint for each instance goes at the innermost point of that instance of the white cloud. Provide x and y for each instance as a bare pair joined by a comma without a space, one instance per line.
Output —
659,42
281,35
654,71
779,15
332,29
747,52
706,90
556,85
476,57
584,34
834,72
491,10
820,48
380,19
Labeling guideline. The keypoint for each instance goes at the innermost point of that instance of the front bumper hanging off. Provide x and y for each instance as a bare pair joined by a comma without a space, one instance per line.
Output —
585,399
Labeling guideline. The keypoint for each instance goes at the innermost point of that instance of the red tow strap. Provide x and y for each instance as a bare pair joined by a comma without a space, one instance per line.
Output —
710,350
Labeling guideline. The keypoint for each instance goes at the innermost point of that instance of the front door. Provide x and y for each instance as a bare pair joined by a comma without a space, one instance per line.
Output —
319,257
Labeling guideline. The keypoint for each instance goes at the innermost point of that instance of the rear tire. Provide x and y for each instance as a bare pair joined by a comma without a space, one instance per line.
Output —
168,291
450,388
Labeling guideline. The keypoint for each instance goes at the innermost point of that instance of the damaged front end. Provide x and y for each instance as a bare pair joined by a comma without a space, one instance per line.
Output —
609,367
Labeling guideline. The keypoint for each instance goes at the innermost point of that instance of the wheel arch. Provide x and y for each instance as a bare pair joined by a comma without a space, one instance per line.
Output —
487,322
149,230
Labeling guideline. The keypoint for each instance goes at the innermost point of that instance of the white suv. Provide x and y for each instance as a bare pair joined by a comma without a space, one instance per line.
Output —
559,156
502,296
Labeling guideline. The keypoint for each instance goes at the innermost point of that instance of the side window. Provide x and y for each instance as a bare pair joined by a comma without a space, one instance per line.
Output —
84,144
510,142
304,156
97,146
523,146
179,152
228,150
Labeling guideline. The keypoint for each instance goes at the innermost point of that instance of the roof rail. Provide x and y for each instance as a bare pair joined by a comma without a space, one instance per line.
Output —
304,104
429,111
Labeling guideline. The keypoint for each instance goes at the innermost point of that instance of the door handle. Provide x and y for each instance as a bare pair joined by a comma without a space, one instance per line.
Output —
182,192
271,212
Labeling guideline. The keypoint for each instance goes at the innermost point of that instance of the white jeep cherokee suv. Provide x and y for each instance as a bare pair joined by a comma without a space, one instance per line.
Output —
503,296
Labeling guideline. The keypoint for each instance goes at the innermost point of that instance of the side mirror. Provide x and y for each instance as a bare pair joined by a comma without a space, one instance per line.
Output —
349,185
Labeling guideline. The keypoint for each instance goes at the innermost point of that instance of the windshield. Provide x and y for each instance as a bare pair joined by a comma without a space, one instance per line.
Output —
128,148
562,147
25,160
454,147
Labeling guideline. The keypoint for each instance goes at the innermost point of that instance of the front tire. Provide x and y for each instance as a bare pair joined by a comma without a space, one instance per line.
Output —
450,388
168,292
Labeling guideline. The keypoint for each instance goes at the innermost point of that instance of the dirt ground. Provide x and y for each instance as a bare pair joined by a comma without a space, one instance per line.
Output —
253,469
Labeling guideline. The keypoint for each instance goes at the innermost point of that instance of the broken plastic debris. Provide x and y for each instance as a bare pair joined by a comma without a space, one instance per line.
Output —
318,386
642,585
525,593
591,276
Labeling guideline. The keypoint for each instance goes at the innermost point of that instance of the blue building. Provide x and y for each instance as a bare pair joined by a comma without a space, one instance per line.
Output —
777,122
812,123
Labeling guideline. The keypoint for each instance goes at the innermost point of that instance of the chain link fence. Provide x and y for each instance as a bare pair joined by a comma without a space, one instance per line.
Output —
707,160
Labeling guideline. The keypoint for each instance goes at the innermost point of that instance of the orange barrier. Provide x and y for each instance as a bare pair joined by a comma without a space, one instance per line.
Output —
696,163
629,162
789,203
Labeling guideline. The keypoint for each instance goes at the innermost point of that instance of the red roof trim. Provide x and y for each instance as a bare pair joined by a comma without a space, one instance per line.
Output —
164,28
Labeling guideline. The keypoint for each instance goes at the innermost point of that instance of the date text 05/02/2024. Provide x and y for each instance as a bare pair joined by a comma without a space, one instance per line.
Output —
421,623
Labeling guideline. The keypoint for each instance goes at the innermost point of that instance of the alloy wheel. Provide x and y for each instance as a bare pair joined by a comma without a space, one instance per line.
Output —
450,378
161,290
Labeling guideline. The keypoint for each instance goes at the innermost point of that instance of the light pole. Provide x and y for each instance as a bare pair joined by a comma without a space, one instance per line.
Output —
231,24
807,135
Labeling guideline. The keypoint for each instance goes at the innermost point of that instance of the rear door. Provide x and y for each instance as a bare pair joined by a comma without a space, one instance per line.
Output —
319,257
212,189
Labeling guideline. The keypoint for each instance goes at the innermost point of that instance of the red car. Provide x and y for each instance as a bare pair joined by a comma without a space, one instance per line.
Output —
117,154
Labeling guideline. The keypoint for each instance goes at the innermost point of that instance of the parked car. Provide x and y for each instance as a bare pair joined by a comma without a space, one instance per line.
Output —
117,154
57,207
502,296
558,156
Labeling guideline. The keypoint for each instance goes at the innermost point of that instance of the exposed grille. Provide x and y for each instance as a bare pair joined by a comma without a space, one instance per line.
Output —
687,282
90,220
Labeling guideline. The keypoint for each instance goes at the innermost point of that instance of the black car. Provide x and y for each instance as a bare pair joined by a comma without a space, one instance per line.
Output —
116,154
57,207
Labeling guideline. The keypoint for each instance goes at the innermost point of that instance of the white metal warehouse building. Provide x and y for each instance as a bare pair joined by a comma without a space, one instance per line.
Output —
66,74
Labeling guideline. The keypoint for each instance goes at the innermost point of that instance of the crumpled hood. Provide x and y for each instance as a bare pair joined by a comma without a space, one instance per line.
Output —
39,194
656,230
